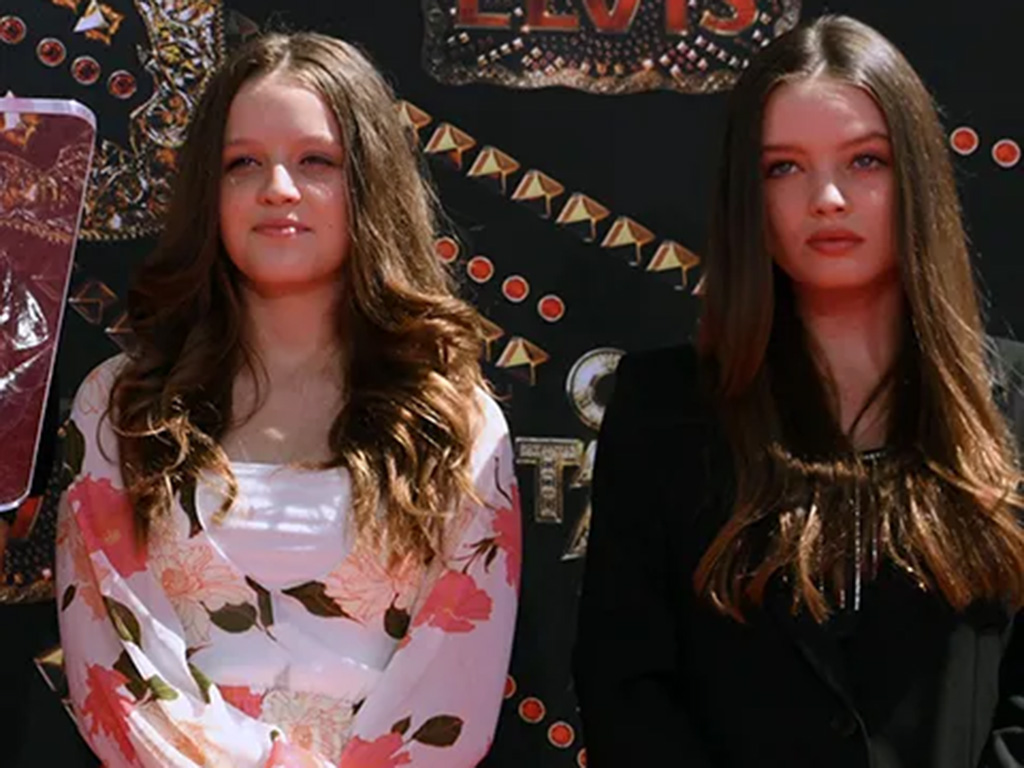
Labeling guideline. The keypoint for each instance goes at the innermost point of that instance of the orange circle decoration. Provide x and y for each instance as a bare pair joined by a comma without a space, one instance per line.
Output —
510,687
551,308
85,70
532,709
121,84
581,758
561,734
1006,153
447,249
515,288
480,269
12,29
964,140
51,51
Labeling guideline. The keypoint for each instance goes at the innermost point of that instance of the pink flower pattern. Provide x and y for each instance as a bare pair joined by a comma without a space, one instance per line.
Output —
107,523
312,721
85,574
509,537
382,752
365,587
243,698
462,616
197,582
288,755
454,604
106,707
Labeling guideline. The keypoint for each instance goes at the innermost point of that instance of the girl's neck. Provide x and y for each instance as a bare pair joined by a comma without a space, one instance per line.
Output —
857,334
295,333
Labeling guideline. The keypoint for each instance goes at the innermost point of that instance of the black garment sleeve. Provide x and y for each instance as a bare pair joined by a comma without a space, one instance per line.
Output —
1005,745
625,661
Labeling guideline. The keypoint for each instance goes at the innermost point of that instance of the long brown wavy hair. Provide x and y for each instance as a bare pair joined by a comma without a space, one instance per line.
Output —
942,503
411,348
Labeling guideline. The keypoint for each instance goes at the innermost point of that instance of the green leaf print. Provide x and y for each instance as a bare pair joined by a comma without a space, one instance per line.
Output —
187,499
136,686
396,622
125,623
263,601
234,618
161,690
69,595
439,731
202,681
401,726
73,447
313,596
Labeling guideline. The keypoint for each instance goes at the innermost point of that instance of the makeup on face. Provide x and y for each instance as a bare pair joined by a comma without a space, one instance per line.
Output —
829,189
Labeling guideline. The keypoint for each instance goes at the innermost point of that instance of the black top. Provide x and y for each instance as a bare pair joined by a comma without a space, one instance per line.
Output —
663,680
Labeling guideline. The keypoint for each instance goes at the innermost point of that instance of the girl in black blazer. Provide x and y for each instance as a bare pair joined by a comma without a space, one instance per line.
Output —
805,547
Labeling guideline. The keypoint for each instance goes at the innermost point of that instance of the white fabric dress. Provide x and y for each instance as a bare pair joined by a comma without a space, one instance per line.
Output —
273,637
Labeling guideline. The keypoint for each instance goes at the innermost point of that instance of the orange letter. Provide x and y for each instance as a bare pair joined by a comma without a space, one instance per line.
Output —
619,18
470,16
744,14
537,17
677,19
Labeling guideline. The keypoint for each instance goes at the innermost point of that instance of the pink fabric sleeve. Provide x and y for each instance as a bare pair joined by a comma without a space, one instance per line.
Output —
438,702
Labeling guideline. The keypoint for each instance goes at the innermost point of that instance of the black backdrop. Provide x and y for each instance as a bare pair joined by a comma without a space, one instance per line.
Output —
648,156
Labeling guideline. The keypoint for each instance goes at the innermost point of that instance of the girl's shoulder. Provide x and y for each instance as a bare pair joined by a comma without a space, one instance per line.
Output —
100,380
492,424
92,398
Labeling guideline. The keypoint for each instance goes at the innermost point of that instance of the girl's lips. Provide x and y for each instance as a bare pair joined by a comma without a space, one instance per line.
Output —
835,241
281,228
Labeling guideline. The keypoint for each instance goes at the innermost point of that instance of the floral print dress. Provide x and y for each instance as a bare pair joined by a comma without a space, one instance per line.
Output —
194,650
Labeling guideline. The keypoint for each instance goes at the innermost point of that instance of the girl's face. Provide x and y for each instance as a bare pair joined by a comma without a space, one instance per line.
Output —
283,195
829,191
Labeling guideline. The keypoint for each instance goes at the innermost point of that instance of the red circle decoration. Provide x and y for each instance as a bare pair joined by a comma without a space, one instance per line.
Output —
510,687
532,709
964,140
581,758
85,70
480,269
121,84
447,249
1006,153
515,288
12,29
51,51
561,734
551,308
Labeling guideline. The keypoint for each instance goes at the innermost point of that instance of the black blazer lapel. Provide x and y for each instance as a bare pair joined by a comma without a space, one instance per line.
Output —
818,646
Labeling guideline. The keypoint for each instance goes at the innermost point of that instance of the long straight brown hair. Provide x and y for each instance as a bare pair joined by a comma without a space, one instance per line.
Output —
411,348
943,504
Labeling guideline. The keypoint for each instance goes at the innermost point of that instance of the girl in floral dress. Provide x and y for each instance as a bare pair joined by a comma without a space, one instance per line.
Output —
291,535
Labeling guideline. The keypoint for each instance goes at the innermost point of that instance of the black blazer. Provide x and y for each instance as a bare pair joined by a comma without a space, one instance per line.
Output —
663,680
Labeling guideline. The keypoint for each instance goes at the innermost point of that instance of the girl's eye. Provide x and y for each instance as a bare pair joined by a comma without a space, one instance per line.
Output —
239,162
867,161
780,168
319,160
